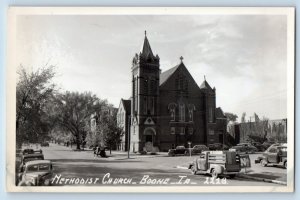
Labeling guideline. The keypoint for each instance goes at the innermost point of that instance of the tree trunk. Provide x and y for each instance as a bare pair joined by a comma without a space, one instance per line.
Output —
78,143
110,150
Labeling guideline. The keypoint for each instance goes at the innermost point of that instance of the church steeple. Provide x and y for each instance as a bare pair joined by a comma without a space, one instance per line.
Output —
146,50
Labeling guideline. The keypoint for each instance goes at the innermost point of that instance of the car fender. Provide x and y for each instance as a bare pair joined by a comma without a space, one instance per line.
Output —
194,163
218,168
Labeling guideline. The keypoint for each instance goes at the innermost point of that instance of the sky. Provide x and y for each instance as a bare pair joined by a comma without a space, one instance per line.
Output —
243,56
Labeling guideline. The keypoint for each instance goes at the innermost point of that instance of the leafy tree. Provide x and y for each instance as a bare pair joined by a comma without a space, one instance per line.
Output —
74,110
106,132
230,117
34,91
112,132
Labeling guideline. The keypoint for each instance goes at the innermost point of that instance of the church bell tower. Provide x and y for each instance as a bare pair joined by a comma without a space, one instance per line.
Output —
144,99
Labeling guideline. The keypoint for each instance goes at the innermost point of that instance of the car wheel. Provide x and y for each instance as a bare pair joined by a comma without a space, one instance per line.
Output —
232,176
214,173
263,163
193,170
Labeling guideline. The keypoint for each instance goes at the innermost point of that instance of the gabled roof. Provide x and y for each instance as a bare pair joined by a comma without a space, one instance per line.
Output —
127,105
146,50
219,113
166,74
205,85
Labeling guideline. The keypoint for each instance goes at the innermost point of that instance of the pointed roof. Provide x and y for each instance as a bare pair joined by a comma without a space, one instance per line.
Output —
146,50
219,113
127,105
205,85
166,74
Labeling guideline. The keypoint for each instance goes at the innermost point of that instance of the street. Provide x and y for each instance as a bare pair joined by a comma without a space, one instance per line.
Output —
80,167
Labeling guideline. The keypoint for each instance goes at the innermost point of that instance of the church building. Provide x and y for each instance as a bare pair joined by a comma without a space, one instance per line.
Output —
167,109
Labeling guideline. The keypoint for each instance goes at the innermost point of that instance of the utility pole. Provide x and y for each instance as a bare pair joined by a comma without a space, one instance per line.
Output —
128,137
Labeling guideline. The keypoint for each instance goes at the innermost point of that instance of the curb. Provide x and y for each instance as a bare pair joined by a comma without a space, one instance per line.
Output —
262,179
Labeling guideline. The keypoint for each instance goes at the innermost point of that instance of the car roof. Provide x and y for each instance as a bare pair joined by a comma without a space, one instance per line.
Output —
33,155
34,162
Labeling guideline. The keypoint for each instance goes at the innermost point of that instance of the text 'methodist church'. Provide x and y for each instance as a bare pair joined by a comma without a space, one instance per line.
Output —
167,109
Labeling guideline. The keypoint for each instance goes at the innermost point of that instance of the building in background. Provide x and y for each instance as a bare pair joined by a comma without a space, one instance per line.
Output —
123,120
259,131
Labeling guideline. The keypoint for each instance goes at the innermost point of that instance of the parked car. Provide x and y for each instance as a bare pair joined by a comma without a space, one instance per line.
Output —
45,144
179,150
31,151
248,148
28,151
36,173
216,163
244,144
274,155
218,146
197,149
266,144
259,146
22,160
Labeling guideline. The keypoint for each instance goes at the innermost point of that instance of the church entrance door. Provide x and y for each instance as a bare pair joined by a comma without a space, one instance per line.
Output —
149,137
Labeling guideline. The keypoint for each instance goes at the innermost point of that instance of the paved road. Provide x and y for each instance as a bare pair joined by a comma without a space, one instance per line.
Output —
74,167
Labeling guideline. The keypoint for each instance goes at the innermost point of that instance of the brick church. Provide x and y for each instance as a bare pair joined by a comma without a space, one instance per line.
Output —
167,109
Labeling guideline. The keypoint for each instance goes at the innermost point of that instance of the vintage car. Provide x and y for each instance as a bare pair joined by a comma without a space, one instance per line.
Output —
31,151
259,146
22,160
248,147
36,173
267,144
179,150
45,144
274,155
197,149
216,163
218,146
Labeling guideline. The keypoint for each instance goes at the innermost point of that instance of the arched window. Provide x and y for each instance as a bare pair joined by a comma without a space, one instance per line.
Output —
172,109
210,115
181,112
191,109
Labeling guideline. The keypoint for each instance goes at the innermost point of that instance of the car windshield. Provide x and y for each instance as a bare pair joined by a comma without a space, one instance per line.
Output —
38,167
180,147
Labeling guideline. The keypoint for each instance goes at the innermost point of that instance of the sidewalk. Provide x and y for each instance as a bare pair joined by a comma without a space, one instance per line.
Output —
117,154
271,177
